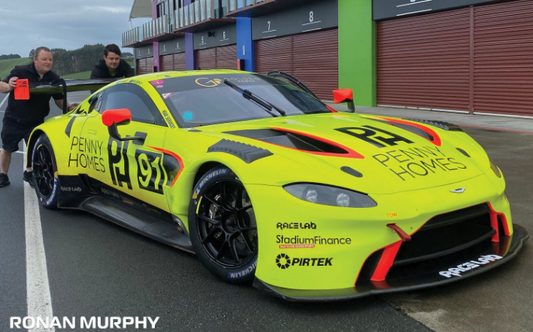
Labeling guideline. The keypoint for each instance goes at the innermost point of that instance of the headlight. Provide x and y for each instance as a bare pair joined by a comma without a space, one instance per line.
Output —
495,169
327,195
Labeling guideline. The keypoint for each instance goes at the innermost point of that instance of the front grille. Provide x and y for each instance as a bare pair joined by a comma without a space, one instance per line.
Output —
461,233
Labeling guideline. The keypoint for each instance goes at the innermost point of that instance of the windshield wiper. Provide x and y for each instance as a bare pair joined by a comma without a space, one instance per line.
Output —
247,94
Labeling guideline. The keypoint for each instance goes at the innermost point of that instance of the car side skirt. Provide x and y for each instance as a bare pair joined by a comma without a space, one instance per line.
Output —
84,193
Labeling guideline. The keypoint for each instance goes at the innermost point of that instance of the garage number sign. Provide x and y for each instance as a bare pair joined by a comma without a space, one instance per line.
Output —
144,52
225,35
382,9
306,18
172,46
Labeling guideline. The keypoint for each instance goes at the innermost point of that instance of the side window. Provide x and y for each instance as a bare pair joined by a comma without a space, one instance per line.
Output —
95,103
135,99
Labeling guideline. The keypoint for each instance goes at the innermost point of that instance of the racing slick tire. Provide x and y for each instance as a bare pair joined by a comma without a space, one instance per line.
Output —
45,172
222,226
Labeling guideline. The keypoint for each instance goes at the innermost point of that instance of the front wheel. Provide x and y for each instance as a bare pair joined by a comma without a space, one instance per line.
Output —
222,226
45,172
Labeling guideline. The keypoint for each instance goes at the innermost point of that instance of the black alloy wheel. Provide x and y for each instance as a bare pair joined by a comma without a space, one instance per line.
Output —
223,226
44,169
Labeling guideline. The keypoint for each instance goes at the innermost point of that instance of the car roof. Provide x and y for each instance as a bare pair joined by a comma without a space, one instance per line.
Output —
171,74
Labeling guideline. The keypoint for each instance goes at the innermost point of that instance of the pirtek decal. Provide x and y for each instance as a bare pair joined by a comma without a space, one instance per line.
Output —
283,261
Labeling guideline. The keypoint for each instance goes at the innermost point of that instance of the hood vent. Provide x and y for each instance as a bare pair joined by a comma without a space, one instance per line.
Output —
298,141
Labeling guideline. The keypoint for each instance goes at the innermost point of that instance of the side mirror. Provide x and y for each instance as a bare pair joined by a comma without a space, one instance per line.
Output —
113,118
119,117
344,95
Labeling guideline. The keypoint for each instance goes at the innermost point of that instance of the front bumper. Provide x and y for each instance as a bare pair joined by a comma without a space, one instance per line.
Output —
460,267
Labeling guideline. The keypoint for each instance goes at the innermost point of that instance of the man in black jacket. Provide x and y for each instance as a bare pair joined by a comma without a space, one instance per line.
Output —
22,116
112,66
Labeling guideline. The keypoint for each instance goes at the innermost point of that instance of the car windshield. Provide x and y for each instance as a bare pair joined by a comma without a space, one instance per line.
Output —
203,100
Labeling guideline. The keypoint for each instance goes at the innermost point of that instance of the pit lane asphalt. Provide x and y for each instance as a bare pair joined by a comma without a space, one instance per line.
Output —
98,269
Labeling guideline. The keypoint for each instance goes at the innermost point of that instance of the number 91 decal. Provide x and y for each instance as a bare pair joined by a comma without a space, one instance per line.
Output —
151,173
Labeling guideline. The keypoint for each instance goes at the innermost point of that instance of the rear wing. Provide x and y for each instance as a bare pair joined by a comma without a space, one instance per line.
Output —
64,86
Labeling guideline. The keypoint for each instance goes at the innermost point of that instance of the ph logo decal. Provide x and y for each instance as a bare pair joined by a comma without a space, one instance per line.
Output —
283,261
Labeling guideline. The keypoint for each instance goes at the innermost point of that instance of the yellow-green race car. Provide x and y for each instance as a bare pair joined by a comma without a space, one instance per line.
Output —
268,185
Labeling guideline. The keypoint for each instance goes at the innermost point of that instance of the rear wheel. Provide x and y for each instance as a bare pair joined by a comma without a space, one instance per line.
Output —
45,172
223,227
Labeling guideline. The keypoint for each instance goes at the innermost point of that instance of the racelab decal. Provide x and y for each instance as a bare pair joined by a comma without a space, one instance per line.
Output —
295,225
474,264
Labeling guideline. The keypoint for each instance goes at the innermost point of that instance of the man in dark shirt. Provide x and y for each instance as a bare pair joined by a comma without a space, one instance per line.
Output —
22,116
112,65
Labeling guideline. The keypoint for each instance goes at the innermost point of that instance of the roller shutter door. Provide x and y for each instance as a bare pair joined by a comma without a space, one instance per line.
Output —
227,57
179,61
224,57
273,54
149,65
503,62
311,57
141,66
316,61
167,62
144,66
173,62
206,59
424,61
477,59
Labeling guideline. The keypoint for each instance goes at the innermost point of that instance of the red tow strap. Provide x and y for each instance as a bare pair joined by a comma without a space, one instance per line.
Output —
403,235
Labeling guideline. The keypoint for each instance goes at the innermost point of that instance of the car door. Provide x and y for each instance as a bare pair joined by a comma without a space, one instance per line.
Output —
134,167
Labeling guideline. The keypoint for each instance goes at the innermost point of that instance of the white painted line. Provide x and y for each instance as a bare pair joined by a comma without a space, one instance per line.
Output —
316,22
311,29
505,115
4,100
37,286
415,12
413,3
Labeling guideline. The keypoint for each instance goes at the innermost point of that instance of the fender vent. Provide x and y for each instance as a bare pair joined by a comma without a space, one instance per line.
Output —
245,152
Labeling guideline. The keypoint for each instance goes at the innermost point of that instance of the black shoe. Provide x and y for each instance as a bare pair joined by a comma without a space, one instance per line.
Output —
4,180
28,177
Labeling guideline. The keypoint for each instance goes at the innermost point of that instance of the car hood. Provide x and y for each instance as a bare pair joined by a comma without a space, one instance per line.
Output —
370,153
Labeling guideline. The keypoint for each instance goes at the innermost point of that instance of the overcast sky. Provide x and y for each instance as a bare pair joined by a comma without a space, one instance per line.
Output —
68,24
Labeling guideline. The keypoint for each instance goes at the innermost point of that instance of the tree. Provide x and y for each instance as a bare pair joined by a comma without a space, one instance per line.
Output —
9,56
82,59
